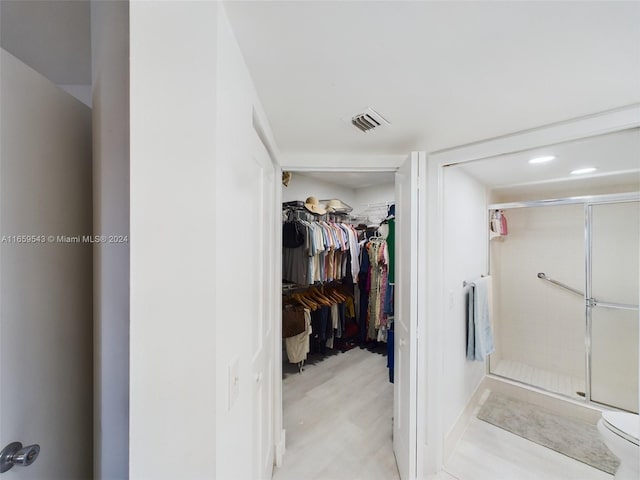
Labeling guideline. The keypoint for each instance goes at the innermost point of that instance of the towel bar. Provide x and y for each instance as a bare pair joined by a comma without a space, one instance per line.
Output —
465,283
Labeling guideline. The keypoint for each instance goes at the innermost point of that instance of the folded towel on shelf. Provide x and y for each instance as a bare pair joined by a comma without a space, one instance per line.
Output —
479,333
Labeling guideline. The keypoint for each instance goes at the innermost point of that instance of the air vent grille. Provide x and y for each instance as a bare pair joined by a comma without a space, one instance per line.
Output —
368,120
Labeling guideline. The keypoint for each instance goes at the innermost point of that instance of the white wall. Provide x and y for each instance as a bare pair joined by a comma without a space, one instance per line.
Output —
301,187
174,235
110,56
81,92
237,325
46,288
379,194
465,258
190,317
339,161
376,194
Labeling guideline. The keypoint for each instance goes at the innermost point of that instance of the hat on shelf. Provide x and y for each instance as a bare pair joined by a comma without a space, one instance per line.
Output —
286,178
313,205
337,206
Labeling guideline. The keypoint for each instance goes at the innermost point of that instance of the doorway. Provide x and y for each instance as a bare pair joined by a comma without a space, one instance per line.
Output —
405,188
339,393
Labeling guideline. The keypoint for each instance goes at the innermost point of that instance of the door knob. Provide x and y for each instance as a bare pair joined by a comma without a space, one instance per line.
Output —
16,454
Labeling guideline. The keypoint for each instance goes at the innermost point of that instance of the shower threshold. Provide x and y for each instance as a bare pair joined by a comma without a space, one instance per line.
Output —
555,382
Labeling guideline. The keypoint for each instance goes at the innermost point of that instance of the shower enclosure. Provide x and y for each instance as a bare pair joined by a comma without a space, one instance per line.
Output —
565,288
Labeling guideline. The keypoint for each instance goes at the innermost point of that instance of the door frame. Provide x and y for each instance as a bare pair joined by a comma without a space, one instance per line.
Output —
430,376
384,164
430,396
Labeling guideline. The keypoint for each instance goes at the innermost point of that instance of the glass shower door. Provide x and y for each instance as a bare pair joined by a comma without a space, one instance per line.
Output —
613,312
540,327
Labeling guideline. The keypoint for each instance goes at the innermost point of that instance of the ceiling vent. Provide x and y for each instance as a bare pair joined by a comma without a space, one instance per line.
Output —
368,120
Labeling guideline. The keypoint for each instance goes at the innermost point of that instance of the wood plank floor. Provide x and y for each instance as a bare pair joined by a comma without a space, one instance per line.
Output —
486,452
337,415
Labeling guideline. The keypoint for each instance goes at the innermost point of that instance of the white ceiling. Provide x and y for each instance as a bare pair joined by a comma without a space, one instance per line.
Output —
615,156
443,73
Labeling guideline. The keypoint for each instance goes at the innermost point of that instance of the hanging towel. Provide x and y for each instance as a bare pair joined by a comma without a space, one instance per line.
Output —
479,334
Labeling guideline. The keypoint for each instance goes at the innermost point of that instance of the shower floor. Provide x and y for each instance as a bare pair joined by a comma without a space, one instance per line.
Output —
538,377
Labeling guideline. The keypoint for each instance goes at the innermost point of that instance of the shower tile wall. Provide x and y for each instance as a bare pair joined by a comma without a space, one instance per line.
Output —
536,323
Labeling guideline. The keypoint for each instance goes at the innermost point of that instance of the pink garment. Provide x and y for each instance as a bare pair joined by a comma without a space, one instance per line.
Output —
503,224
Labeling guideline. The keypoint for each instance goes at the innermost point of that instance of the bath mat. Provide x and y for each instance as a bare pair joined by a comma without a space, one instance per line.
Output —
573,438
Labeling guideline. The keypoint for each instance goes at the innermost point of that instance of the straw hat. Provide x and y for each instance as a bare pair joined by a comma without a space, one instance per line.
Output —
313,205
336,205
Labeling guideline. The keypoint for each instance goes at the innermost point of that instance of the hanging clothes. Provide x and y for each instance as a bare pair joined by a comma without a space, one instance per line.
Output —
322,249
328,314
363,287
378,271
391,248
297,346
324,252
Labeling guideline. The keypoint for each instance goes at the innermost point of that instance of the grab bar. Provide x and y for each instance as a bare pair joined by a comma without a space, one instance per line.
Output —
544,276
592,301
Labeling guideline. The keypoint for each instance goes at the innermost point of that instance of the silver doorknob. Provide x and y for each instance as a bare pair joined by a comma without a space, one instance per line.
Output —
16,454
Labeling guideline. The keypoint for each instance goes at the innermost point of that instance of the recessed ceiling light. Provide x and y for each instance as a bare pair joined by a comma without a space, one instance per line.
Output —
580,171
545,159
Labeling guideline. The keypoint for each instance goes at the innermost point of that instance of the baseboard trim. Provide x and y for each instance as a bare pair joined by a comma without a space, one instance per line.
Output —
280,448
455,434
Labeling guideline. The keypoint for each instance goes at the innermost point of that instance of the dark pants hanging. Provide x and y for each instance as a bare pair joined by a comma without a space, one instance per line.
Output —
364,309
320,325
390,351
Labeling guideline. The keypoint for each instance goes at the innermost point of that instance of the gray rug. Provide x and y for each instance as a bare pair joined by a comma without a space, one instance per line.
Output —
573,438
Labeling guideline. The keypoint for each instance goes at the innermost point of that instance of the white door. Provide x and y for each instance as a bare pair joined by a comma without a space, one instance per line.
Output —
406,314
262,335
46,359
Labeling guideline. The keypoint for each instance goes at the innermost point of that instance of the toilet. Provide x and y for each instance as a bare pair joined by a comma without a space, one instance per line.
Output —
620,431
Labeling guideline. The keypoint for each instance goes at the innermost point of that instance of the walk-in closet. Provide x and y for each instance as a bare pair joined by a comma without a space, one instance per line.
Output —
338,249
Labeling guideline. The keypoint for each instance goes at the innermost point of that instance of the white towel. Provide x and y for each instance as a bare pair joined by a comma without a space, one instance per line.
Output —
480,334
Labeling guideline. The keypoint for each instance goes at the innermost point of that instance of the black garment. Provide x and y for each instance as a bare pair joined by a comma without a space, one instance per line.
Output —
321,327
364,296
